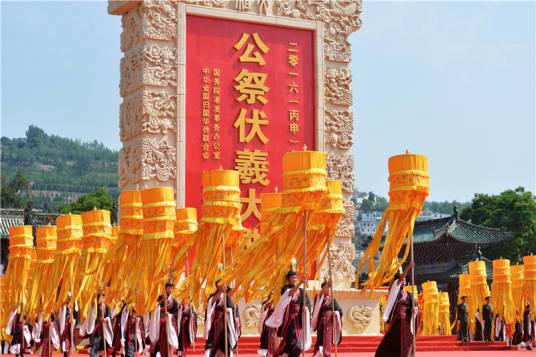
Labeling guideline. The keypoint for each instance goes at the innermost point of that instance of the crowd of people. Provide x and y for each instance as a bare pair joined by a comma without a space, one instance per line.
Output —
493,327
285,327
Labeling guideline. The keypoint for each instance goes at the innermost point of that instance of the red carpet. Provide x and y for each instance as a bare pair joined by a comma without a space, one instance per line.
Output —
364,346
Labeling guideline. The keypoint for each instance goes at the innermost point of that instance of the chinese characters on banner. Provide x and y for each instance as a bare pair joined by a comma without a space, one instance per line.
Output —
254,101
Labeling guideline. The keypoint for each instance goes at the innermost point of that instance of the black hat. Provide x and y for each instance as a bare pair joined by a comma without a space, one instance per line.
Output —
169,284
291,273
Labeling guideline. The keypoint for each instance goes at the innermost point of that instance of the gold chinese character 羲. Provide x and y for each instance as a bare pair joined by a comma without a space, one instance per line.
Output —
257,119
252,166
294,128
251,86
293,60
293,87
250,203
250,54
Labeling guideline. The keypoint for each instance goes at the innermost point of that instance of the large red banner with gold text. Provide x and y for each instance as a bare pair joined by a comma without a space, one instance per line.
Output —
250,97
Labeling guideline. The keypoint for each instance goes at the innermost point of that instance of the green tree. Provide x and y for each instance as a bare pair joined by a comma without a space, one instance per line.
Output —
99,199
15,192
513,210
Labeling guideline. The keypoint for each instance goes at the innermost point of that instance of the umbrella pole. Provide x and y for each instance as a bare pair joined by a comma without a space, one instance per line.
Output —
334,329
304,287
413,302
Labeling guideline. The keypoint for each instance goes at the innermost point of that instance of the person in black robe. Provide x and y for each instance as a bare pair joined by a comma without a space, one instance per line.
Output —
116,326
96,339
478,327
325,320
188,327
215,336
463,320
168,305
527,328
487,315
267,334
517,338
398,339
19,343
291,329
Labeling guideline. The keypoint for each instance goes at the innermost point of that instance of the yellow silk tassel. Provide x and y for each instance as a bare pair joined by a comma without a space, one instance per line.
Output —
444,314
529,275
501,290
185,227
158,205
517,289
96,241
20,260
431,309
409,187
479,290
46,237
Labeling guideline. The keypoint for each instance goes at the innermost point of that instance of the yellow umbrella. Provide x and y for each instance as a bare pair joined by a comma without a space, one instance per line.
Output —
431,308
501,290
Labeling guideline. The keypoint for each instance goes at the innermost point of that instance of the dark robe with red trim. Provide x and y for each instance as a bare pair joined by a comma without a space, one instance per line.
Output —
291,330
268,334
324,326
527,328
398,340
216,336
188,319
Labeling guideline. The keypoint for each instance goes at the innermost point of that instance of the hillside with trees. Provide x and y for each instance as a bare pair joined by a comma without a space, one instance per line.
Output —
43,168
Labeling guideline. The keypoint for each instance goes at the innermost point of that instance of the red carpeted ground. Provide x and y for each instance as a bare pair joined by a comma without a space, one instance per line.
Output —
364,346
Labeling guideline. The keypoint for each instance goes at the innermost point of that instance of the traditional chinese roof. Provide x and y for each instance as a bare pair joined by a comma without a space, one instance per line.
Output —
455,229
8,219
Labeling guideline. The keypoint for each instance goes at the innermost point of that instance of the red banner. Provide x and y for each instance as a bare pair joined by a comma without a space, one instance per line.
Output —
250,92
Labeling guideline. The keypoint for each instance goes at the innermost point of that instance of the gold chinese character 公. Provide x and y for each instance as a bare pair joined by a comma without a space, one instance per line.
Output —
250,203
294,128
252,166
293,115
216,145
247,54
293,60
251,86
293,87
257,119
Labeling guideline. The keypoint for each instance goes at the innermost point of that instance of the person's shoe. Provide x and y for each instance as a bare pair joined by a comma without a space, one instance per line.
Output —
529,348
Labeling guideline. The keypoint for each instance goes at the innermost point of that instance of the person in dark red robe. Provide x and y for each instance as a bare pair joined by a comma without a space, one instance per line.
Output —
117,346
327,321
268,335
400,315
48,339
288,318
168,305
133,334
187,327
18,328
97,339
527,328
217,315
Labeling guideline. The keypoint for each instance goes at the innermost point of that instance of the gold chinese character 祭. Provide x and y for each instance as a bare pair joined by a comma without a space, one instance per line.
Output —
251,54
251,86
256,120
250,203
252,166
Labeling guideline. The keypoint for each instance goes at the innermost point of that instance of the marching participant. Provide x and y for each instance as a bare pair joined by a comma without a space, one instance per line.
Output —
187,326
268,334
287,318
18,328
327,321
216,316
163,324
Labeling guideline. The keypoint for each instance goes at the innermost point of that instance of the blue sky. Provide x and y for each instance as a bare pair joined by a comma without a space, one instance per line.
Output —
452,80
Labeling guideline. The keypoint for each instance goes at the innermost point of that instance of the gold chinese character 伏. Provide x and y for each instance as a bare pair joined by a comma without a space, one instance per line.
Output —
252,166
257,119
250,54
251,86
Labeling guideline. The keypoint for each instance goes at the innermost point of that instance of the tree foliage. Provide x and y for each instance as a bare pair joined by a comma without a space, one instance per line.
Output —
15,191
513,210
100,199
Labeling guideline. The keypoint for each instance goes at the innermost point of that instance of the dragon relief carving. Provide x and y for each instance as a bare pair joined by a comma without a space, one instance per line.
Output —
341,167
337,49
339,126
342,255
129,165
159,19
150,111
338,86
346,228
252,315
360,316
151,65
158,159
